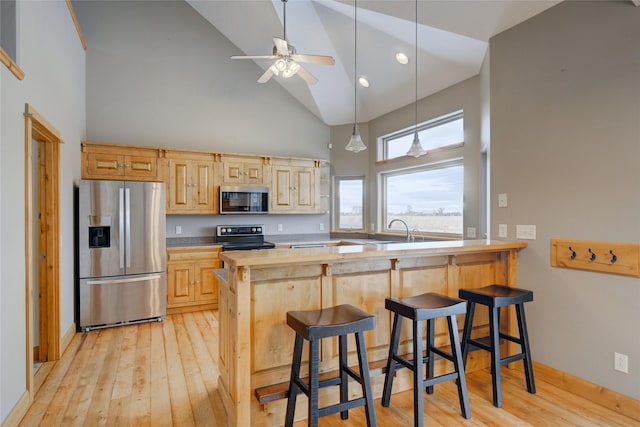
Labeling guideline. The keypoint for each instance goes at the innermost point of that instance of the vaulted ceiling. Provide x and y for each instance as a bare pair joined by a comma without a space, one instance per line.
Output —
453,39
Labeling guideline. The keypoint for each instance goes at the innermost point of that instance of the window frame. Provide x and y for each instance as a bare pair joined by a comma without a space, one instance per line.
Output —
438,121
336,204
458,161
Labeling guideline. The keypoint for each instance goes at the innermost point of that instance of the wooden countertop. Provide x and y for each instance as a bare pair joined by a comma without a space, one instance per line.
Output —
351,251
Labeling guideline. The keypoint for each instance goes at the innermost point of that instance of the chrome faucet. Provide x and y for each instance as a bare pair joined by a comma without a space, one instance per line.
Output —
409,235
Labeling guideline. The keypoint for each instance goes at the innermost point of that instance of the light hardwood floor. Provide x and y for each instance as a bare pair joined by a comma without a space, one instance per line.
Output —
163,374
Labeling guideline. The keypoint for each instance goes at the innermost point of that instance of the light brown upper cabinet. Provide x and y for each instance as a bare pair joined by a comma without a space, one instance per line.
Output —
294,187
244,171
190,183
126,162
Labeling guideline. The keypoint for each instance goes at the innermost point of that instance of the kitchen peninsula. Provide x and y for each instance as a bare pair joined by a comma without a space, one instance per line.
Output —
257,288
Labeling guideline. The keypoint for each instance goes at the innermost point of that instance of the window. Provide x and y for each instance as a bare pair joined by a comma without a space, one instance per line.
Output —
349,203
440,133
428,199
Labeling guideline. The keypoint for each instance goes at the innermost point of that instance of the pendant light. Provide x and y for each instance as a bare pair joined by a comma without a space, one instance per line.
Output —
355,143
416,149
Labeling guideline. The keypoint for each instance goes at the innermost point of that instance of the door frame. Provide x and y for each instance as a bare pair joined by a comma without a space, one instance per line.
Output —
48,137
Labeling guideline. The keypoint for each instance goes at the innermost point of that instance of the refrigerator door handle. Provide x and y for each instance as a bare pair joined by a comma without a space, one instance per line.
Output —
128,280
127,249
121,215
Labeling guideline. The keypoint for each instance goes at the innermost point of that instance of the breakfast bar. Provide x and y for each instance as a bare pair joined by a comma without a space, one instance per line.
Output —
258,288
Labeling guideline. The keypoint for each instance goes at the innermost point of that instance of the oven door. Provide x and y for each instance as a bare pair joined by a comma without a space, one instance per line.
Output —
244,200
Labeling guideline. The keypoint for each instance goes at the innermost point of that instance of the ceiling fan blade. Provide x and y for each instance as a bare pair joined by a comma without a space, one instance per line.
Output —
266,76
307,76
315,59
253,57
282,47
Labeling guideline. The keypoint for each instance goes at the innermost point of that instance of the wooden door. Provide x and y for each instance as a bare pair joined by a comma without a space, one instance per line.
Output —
282,188
304,190
178,185
203,197
206,286
180,283
140,167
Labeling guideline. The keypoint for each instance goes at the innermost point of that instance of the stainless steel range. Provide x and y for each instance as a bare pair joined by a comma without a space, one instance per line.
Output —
242,237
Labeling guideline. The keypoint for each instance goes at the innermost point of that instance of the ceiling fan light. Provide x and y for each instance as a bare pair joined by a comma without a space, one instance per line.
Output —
280,64
291,69
363,81
274,69
402,58
355,143
416,149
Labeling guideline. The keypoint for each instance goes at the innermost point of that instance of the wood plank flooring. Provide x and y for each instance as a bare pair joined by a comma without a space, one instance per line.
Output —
165,374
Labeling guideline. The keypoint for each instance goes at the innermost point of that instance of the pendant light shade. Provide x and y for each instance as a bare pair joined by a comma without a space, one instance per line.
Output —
416,149
355,143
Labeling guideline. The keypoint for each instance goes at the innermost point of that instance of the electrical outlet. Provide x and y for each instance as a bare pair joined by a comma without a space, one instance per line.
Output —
280,227
178,229
471,232
502,200
526,232
502,231
621,362
322,226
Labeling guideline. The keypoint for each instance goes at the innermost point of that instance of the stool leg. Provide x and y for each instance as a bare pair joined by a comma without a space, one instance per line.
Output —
391,364
293,387
314,386
494,330
431,323
344,382
418,376
459,367
524,343
466,333
365,379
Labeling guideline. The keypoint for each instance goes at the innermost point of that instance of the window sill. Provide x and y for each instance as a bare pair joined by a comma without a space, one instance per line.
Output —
11,65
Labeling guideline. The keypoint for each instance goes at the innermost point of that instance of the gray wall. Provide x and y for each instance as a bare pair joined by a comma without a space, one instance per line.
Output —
51,56
565,146
159,74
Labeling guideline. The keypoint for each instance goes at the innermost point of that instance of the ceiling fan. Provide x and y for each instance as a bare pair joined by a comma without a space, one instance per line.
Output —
286,60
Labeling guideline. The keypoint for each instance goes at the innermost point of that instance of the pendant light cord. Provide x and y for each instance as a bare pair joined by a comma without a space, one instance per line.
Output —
284,19
416,68
355,63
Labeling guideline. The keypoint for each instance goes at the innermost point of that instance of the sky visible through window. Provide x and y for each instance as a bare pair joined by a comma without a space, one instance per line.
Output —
427,192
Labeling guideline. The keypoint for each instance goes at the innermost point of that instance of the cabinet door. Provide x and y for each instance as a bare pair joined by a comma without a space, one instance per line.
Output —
99,164
253,173
180,283
178,185
203,198
206,287
304,189
282,188
232,173
140,167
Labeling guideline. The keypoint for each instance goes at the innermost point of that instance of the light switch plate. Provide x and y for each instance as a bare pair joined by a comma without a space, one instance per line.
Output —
471,232
178,229
502,200
502,231
527,232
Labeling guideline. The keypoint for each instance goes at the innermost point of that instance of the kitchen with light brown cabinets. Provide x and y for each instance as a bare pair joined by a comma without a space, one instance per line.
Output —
191,285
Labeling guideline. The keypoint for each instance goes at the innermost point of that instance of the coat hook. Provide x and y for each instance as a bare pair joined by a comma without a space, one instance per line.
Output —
593,255
573,253
614,257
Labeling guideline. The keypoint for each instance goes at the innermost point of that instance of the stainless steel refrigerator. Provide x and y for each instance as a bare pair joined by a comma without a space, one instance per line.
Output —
121,253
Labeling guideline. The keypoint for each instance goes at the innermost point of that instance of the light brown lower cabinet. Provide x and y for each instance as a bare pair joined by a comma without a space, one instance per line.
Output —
191,285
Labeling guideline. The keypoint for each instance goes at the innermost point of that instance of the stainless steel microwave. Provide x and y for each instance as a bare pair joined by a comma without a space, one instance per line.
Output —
243,199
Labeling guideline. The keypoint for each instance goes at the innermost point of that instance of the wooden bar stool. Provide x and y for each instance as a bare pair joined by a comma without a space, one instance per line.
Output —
429,307
494,297
313,326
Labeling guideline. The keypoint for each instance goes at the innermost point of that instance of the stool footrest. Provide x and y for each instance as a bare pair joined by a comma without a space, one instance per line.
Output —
511,338
440,378
511,359
339,407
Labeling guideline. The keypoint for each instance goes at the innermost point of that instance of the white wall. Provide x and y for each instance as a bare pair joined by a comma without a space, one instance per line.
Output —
51,55
565,146
159,74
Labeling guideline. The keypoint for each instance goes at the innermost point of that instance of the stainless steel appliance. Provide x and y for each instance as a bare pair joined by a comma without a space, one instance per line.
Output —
242,237
121,253
244,199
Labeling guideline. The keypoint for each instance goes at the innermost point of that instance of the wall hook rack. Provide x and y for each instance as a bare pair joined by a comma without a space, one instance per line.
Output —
591,255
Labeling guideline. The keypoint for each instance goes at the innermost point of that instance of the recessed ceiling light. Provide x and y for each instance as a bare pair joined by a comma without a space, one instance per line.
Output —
363,81
402,58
